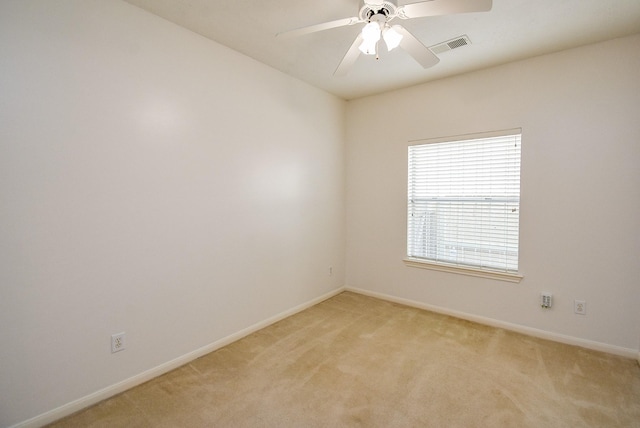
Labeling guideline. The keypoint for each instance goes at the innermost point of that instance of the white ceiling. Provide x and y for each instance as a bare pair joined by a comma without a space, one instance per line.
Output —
512,30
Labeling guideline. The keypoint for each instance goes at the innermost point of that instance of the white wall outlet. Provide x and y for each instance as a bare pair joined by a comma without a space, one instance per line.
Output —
118,342
546,300
580,307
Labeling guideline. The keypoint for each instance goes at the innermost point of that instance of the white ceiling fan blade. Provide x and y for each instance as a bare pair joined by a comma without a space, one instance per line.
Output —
415,48
350,57
319,27
443,7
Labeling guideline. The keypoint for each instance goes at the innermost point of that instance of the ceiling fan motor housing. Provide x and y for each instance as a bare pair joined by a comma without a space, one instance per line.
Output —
370,8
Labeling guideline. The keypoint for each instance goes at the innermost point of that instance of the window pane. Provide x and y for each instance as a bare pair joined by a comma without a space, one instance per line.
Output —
464,202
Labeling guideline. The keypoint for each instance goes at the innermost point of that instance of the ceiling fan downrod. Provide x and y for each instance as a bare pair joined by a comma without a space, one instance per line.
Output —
369,8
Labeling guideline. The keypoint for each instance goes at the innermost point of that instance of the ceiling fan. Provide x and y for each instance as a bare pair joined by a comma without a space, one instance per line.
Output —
377,16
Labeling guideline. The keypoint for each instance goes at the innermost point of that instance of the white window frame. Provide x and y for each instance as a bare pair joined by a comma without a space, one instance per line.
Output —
507,200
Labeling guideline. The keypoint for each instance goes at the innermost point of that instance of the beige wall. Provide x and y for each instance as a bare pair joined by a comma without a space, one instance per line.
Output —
580,205
151,182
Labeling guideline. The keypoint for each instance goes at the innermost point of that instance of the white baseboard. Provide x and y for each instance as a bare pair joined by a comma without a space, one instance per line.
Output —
556,337
110,391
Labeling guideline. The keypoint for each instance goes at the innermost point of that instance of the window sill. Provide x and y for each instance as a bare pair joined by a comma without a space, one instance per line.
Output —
464,270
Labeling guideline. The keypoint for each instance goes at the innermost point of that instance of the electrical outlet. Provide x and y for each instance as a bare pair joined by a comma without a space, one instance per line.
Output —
330,270
580,307
545,300
118,342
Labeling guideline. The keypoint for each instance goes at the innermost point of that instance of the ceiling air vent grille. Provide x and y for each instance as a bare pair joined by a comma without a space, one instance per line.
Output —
450,44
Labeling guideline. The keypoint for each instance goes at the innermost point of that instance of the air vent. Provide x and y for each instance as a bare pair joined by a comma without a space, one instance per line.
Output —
450,44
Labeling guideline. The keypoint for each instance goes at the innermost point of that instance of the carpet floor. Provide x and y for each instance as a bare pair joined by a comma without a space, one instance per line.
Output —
356,361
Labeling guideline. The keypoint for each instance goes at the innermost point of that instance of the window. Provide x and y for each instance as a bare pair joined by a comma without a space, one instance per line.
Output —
464,202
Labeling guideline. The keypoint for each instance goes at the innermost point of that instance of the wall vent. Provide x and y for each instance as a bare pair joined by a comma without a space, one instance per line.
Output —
450,44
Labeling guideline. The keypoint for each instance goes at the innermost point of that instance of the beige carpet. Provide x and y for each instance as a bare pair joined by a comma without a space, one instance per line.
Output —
355,361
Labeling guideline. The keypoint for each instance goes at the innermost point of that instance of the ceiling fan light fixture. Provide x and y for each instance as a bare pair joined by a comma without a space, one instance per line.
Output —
370,36
368,48
392,38
377,15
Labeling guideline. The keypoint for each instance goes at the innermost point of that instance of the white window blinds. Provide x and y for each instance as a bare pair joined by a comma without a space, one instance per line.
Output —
464,201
